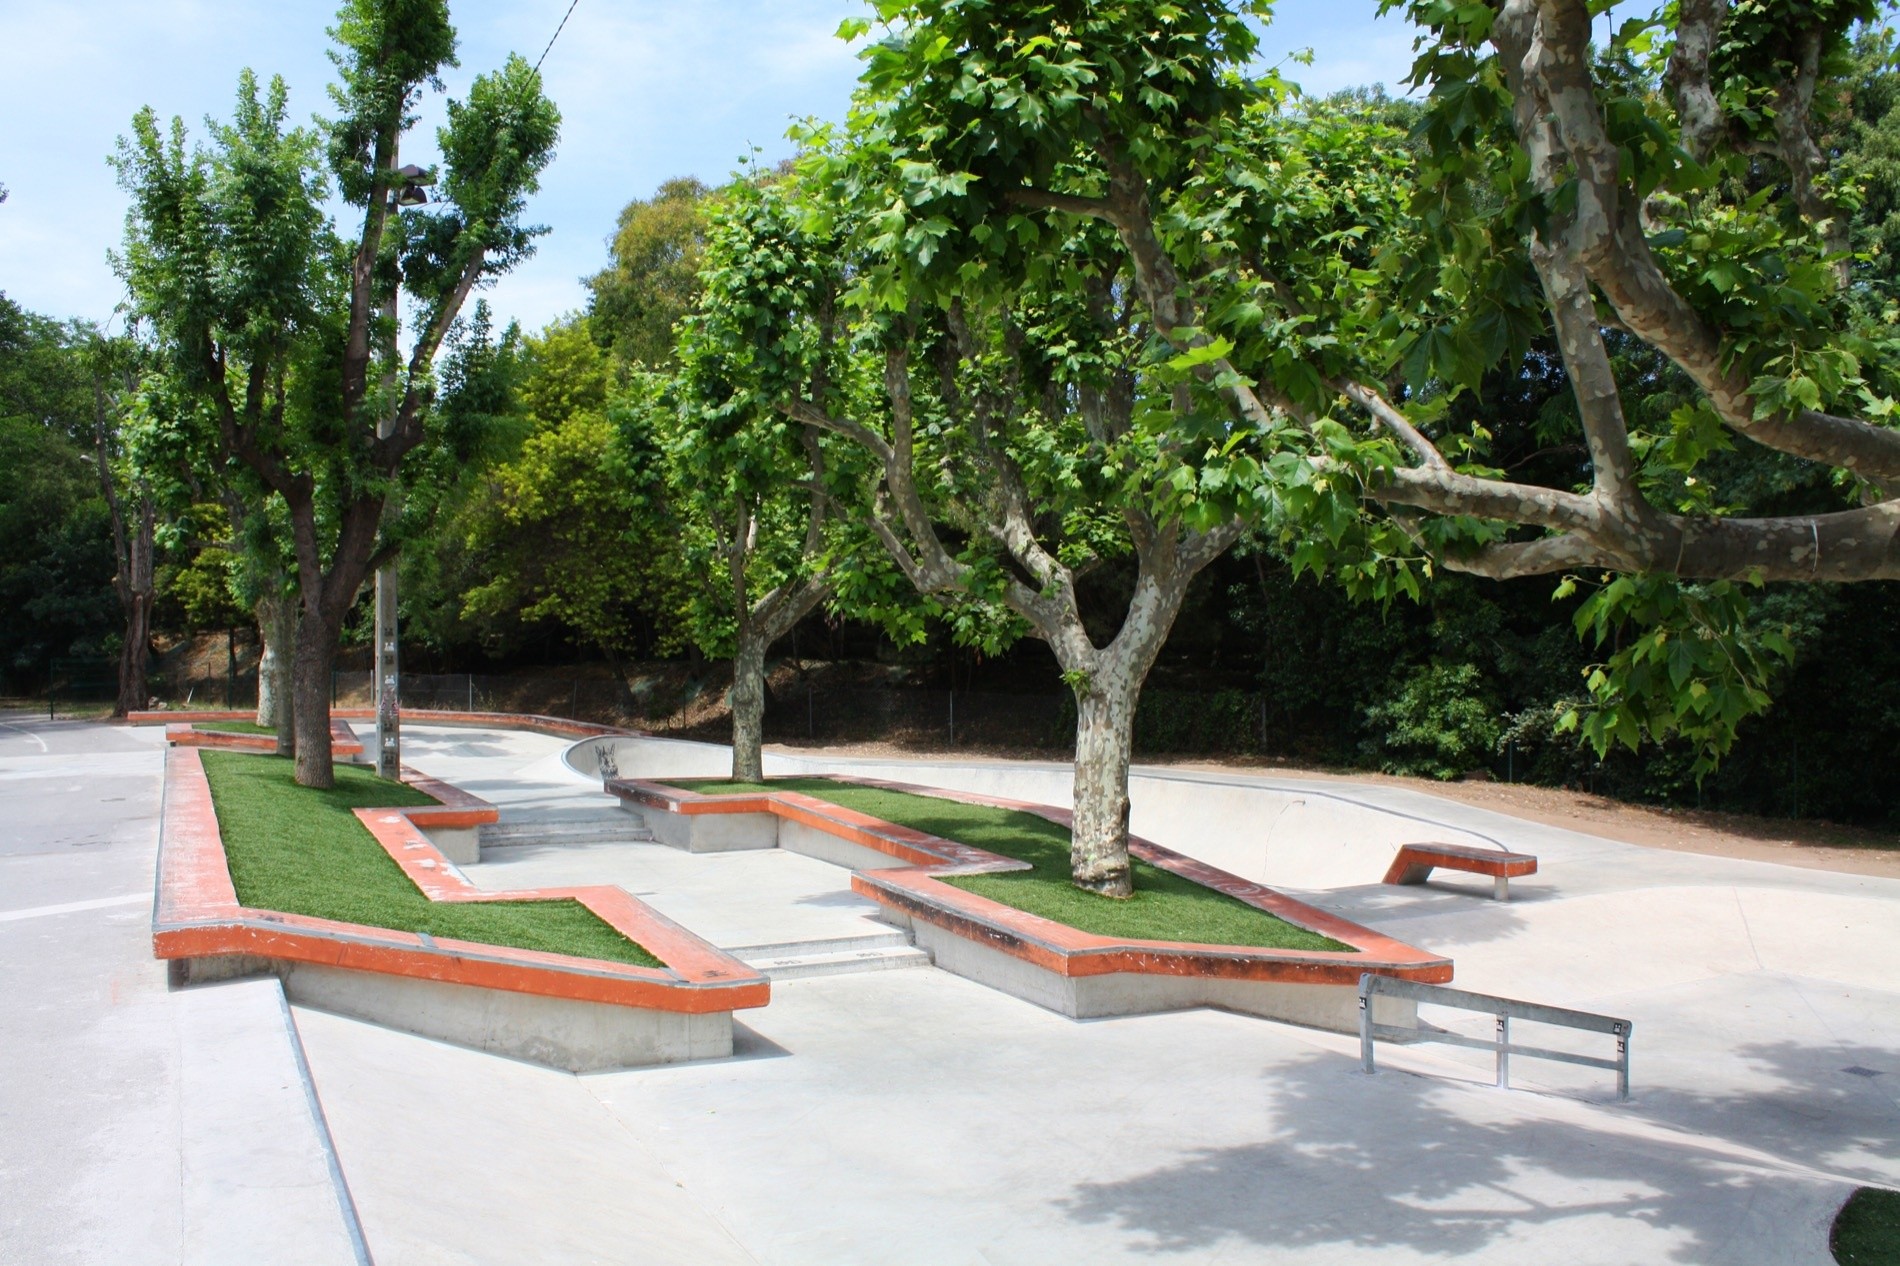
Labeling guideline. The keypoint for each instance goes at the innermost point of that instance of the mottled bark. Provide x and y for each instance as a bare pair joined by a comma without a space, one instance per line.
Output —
277,637
1104,745
1107,680
748,706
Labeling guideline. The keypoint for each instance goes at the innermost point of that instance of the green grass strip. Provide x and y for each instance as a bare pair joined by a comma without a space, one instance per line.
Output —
235,727
302,851
1165,907
1867,1232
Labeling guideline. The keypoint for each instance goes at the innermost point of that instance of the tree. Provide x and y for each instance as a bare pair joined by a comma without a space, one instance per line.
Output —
652,279
1006,426
755,493
1669,195
572,527
132,509
56,596
288,331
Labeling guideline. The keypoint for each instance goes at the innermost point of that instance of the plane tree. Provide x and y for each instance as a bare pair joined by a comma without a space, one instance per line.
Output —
288,329
1657,208
757,497
1004,434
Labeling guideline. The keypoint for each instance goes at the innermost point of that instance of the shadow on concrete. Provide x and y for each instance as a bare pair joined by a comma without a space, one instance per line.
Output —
843,899
1403,1160
1389,908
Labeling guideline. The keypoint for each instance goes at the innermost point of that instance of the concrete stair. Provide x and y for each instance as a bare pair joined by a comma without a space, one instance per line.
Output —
838,956
563,828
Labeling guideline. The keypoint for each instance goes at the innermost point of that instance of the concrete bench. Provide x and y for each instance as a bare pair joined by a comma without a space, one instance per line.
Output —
1416,861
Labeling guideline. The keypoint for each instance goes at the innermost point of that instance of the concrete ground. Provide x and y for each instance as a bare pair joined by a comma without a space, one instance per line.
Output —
911,1116
136,1124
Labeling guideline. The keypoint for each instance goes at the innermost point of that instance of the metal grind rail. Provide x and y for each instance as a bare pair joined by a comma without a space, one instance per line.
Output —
1506,1010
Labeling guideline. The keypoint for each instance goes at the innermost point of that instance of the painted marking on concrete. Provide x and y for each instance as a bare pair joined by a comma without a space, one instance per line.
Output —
30,734
74,907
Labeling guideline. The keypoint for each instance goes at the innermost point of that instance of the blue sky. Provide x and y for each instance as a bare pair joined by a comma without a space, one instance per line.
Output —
647,91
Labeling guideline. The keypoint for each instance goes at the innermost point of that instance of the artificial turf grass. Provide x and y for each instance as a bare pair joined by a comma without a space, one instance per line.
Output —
1165,907
301,851
1867,1229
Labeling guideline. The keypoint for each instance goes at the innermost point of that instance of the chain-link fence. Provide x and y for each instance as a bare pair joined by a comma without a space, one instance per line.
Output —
809,710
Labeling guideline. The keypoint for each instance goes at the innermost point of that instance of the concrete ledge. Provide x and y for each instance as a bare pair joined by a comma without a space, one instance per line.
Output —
185,733
494,997
1415,863
263,1181
558,727
1056,966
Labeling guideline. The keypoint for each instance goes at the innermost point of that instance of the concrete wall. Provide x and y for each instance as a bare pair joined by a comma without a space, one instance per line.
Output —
1334,1007
557,1032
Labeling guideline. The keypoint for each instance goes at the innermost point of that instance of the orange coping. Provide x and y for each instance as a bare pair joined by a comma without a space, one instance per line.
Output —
535,723
197,915
917,890
343,742
1416,861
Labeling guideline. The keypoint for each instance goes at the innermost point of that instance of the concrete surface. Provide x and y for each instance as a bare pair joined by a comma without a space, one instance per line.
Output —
917,1117
912,1116
136,1124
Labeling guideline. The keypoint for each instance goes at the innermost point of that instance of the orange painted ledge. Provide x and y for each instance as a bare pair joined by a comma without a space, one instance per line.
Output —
197,915
1416,861
343,742
917,891
559,727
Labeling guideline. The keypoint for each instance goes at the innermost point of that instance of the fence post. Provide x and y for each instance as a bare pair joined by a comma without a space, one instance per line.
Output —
574,700
333,687
953,716
471,692
811,715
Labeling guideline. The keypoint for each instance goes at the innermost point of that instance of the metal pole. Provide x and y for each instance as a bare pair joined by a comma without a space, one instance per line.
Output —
1623,1062
230,668
471,692
1504,1052
1365,1025
953,716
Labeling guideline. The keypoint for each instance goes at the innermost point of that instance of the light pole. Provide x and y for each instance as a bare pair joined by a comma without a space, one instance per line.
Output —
388,639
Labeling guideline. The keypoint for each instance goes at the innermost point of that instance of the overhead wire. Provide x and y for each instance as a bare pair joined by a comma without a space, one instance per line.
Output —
557,35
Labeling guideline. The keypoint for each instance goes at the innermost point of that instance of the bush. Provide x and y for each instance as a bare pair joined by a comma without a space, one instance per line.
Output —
1438,722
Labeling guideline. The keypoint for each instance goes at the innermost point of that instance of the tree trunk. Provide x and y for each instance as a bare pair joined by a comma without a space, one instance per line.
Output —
1104,740
748,704
277,635
310,701
134,655
138,590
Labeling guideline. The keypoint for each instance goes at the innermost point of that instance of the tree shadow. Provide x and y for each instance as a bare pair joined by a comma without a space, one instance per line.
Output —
1389,908
1402,1160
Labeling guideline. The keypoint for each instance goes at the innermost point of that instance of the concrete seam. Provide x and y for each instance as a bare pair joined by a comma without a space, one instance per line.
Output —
346,1203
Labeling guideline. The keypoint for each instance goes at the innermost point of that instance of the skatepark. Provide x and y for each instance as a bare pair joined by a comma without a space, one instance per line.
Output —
894,1111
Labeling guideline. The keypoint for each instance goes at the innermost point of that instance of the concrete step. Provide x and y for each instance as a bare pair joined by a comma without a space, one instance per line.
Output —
590,826
836,957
